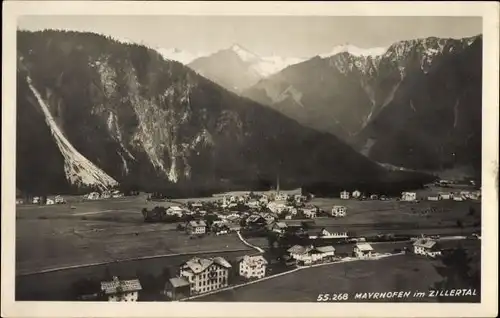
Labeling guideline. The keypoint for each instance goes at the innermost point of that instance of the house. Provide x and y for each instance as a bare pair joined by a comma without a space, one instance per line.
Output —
175,210
288,217
310,254
310,212
280,196
356,194
269,217
279,227
196,227
363,250
325,234
92,196
256,219
409,196
116,194
433,198
373,197
264,200
253,204
427,247
19,201
233,217
458,197
232,227
197,205
253,266
59,199
298,198
445,195
36,200
277,206
476,195
323,252
177,288
205,274
105,195
49,202
121,290
344,195
300,253
339,211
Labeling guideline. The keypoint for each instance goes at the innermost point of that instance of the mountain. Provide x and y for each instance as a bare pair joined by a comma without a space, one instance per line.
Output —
355,51
94,113
179,55
416,104
237,68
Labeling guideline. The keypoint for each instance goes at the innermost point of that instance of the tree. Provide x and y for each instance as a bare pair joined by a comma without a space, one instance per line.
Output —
459,270
272,240
84,286
460,224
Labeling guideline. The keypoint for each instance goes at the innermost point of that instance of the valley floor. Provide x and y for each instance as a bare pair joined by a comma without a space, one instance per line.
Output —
111,233
397,273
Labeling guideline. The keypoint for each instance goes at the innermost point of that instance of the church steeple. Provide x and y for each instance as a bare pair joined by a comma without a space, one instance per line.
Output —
278,184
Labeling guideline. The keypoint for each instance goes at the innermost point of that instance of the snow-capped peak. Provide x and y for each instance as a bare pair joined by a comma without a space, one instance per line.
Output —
179,55
243,53
354,50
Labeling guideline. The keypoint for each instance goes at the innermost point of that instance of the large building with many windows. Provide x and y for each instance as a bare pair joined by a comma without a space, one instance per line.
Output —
205,274
252,266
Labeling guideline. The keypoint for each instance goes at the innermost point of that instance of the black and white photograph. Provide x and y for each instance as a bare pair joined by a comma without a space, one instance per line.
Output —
251,158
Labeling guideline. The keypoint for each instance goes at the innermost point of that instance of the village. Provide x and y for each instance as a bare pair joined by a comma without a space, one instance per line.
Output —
299,234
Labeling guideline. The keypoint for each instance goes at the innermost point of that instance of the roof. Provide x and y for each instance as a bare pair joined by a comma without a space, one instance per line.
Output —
125,285
197,223
297,222
254,260
425,243
222,262
364,247
325,249
339,207
253,218
198,265
298,249
281,225
175,207
178,282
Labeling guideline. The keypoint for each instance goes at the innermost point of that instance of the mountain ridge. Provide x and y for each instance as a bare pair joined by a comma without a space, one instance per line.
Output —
149,122
343,94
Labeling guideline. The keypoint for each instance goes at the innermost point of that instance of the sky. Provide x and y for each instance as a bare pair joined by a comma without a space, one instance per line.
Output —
292,36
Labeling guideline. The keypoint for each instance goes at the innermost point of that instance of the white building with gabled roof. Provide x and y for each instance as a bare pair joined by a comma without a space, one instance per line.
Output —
121,290
427,247
363,250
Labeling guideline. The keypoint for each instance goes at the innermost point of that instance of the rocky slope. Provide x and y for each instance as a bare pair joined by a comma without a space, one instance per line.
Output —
92,111
417,105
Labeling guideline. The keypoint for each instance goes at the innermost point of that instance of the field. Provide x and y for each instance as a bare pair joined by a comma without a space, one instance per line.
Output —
100,231
57,285
397,273
110,230
372,217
